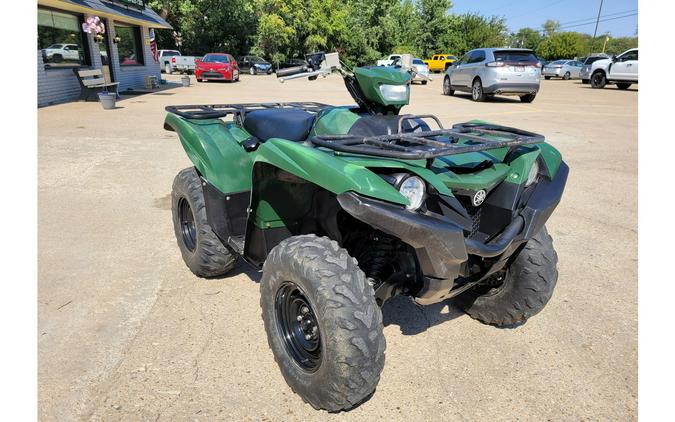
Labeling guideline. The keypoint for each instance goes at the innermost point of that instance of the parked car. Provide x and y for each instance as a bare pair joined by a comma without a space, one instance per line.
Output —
58,53
389,61
172,60
217,66
254,65
421,71
440,62
486,72
621,70
585,72
565,69
292,63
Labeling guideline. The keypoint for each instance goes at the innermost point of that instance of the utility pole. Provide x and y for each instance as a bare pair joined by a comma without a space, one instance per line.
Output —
597,21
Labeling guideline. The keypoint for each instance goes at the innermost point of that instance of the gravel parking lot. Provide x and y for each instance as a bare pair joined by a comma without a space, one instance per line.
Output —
127,332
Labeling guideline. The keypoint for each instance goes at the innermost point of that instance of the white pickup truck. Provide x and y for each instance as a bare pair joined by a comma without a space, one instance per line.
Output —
171,60
389,60
621,70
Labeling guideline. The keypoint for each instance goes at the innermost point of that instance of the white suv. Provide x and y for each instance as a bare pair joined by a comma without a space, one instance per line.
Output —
622,70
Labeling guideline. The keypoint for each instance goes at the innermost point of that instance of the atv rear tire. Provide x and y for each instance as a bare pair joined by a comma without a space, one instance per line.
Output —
202,251
526,288
336,365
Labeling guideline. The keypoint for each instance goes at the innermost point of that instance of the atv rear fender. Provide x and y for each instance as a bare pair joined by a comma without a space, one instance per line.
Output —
214,148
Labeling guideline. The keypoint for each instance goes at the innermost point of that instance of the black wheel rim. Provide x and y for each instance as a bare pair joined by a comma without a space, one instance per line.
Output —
187,224
298,326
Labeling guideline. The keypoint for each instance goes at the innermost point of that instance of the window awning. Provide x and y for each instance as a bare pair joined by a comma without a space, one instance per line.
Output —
116,10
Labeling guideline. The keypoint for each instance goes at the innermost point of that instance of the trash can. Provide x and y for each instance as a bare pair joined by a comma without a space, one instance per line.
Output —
107,100
185,80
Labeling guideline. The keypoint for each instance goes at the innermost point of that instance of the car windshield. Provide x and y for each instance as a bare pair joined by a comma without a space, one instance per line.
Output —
559,62
418,61
515,56
592,60
216,58
256,60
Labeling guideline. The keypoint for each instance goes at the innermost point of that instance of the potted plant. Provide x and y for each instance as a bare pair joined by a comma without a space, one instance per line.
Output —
107,99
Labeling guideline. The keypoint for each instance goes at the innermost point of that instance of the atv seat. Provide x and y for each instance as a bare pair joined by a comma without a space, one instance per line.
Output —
286,123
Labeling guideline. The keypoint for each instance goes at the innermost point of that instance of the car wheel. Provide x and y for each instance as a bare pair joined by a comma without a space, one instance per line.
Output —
322,322
477,93
57,58
168,69
424,82
547,77
527,98
598,80
199,80
252,71
623,85
567,76
447,90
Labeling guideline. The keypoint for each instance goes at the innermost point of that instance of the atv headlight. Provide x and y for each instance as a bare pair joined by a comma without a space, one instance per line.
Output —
413,189
394,92
532,176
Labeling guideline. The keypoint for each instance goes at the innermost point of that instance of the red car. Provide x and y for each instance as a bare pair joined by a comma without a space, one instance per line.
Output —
217,66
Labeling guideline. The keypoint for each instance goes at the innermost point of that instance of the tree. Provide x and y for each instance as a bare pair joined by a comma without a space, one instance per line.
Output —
468,31
550,27
526,38
434,20
563,45
273,37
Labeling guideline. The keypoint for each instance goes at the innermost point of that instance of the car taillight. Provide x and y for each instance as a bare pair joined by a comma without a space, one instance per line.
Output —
537,64
173,60
495,64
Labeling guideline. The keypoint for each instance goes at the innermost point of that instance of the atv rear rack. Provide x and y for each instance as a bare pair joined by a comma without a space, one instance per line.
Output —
217,111
431,143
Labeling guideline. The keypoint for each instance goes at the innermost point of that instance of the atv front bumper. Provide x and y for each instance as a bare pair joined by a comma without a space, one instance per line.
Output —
439,242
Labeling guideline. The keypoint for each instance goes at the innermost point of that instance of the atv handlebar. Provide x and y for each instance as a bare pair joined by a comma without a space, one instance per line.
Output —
291,71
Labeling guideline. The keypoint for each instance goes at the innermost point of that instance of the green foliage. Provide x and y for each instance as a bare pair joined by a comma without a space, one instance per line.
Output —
550,27
526,38
363,31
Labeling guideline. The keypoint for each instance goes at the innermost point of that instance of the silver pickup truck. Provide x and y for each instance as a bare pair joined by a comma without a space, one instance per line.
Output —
172,60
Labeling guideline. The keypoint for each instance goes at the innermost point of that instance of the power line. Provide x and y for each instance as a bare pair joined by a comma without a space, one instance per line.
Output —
601,17
601,20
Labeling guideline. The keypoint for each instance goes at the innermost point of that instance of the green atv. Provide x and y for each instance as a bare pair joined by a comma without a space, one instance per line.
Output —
345,207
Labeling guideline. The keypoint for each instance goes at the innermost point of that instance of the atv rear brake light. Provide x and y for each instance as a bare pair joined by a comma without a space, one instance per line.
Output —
495,64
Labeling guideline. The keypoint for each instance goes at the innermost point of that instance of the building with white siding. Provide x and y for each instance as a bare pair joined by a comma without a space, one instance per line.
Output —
123,51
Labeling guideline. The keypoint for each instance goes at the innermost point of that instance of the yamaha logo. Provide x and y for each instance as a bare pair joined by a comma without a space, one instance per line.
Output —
478,197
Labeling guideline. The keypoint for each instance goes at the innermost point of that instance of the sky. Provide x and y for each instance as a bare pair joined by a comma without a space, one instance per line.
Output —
574,15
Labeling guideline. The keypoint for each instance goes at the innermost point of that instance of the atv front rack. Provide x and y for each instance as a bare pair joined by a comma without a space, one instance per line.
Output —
429,144
217,111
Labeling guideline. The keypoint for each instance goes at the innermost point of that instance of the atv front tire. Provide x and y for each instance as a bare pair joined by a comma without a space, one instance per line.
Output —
527,286
323,324
202,251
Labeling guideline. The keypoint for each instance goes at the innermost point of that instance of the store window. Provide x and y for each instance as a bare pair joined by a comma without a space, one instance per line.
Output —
60,39
129,46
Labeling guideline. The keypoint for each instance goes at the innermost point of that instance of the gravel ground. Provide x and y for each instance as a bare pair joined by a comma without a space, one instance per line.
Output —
126,332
